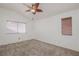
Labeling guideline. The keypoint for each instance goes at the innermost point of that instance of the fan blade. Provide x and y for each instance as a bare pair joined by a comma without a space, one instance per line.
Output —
27,6
39,10
35,6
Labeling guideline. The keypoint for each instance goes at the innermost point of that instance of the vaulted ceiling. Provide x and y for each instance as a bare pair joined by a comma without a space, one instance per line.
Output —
49,9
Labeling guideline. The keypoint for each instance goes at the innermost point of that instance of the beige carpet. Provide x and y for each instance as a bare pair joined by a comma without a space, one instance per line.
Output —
35,48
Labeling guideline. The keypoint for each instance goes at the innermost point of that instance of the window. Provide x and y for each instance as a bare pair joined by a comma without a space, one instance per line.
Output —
15,27
67,26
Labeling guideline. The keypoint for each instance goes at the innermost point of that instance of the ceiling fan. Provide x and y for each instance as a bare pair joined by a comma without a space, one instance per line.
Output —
34,8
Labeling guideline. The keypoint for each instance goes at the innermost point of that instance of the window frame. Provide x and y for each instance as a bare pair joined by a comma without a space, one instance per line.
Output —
16,26
66,26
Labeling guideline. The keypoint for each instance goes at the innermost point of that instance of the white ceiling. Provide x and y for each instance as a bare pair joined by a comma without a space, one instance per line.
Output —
49,9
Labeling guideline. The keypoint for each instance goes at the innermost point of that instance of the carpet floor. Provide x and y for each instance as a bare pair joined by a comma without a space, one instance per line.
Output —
35,48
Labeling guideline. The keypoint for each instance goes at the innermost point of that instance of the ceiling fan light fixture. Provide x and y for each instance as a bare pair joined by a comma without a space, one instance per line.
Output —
33,10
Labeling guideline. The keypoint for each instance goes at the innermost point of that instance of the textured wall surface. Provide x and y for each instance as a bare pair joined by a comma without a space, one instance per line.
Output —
35,48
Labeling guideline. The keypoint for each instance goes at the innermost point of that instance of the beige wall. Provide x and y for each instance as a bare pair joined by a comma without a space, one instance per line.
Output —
49,30
7,14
